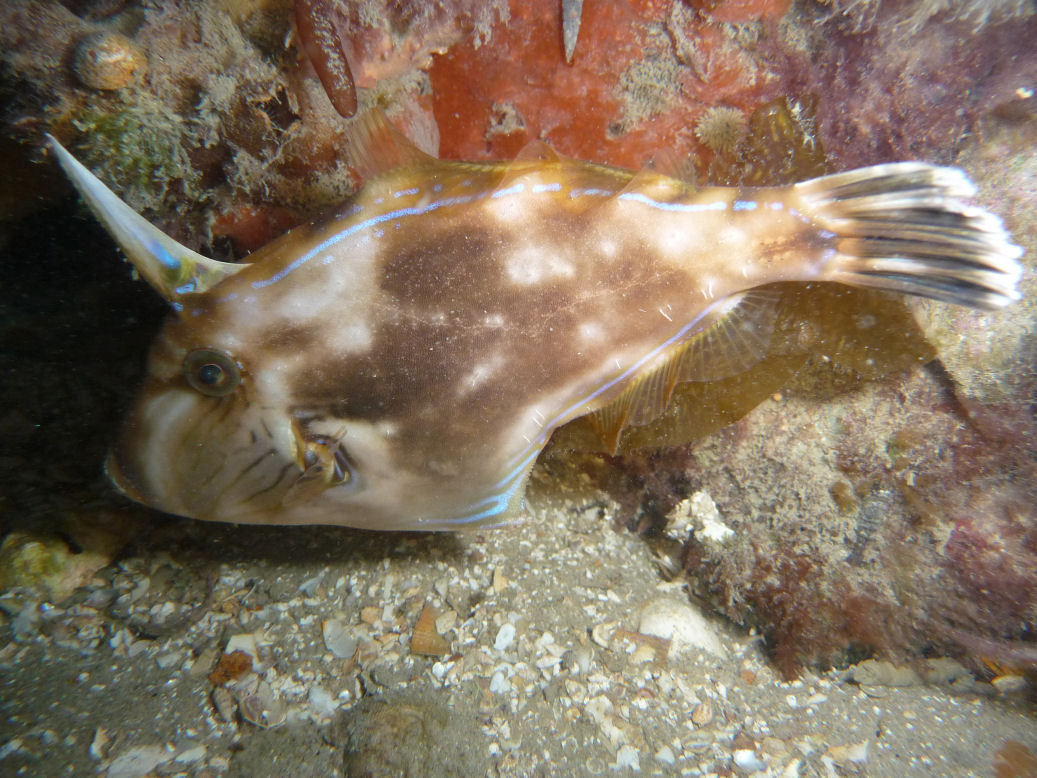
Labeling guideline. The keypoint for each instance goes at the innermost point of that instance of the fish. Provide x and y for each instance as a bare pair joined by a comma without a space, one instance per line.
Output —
400,363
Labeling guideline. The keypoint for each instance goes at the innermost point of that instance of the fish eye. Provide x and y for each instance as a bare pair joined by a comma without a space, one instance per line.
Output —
211,372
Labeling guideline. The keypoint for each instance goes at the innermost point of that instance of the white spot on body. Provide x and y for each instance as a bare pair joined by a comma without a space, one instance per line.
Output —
733,238
274,380
510,209
480,374
354,338
494,321
533,265
342,278
677,242
306,302
591,332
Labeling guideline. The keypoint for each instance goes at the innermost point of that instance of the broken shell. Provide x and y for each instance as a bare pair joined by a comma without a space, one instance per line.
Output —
1009,683
505,637
686,627
426,641
339,638
100,744
109,60
643,654
703,714
446,621
262,708
223,702
601,634
371,615
500,581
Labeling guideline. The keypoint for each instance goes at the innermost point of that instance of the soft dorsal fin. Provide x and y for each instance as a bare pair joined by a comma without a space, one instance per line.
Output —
171,269
538,151
658,184
535,155
375,146
734,339
667,162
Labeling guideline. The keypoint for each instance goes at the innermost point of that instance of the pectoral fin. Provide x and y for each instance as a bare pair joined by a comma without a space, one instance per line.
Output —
171,269
734,338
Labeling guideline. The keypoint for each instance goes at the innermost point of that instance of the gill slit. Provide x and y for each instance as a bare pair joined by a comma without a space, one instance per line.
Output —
246,470
280,477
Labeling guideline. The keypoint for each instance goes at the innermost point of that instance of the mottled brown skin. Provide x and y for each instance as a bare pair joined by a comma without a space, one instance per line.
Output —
402,364
477,328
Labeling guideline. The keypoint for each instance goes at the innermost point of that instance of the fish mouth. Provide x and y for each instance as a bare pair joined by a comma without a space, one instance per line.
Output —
200,458
123,482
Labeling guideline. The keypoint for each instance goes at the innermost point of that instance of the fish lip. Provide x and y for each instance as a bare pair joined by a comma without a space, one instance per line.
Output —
121,481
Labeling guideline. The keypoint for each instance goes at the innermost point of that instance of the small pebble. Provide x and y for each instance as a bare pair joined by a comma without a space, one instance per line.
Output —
168,659
703,714
245,641
100,744
223,702
191,755
11,747
1008,684
499,683
746,759
138,761
601,634
310,585
446,621
339,639
665,756
505,637
627,758
321,701
857,753
500,581
579,660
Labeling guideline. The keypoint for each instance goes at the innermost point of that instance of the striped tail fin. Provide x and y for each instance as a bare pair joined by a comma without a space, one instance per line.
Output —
906,227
